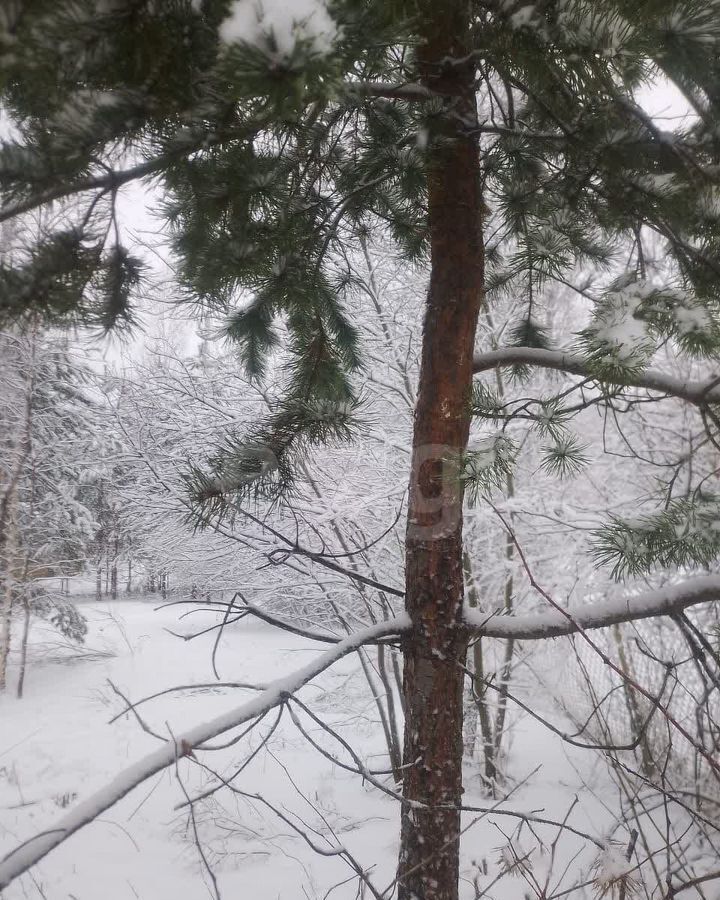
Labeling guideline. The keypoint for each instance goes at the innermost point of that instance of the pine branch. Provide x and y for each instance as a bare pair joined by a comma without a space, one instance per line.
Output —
612,611
113,179
699,393
110,181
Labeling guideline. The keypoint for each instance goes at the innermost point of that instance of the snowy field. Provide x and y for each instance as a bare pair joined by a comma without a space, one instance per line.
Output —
57,746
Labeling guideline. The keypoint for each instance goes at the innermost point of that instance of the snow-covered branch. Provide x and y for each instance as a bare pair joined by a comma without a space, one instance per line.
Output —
554,623
696,392
33,850
400,91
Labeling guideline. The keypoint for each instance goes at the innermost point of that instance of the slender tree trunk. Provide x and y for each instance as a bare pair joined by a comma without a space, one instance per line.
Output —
8,587
24,643
435,652
380,698
9,538
634,712
114,569
480,712
24,593
395,746
507,668
385,702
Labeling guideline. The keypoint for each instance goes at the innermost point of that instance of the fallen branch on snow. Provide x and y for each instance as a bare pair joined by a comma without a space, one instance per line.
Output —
35,848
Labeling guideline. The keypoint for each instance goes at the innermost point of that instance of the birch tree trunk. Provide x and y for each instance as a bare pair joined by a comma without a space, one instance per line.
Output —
24,641
9,538
435,652
8,585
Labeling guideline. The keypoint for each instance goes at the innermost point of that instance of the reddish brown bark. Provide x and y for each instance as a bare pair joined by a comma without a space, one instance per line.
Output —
435,654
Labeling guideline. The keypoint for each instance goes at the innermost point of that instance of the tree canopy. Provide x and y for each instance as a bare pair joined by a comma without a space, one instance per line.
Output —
277,139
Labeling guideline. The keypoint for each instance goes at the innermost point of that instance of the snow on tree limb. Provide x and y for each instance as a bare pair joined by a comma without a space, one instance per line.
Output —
391,90
35,848
695,392
536,626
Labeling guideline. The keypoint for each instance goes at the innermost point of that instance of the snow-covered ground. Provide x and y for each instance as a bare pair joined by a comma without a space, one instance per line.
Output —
56,746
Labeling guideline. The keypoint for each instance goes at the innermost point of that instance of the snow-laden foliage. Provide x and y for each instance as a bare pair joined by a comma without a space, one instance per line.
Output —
46,439
288,131
46,410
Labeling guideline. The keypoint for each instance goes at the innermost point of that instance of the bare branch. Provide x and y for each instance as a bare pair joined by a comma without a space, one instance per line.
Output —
212,685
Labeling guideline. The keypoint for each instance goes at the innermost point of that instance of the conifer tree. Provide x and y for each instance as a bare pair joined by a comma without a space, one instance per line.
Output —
278,135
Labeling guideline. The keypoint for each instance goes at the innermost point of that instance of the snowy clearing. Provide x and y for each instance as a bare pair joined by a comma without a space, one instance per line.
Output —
57,747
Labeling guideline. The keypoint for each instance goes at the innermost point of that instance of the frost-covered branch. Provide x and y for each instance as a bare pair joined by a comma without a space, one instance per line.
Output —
650,604
695,392
33,850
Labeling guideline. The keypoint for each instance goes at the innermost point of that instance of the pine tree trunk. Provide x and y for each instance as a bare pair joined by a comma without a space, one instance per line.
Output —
435,653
